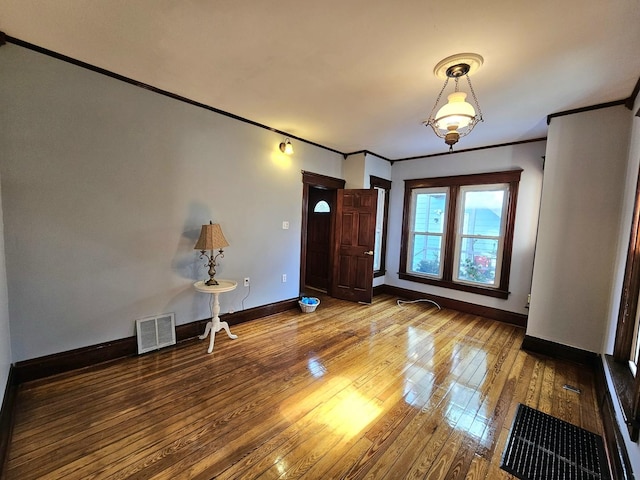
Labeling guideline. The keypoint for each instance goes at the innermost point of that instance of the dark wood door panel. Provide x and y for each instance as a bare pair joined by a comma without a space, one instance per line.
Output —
318,263
354,243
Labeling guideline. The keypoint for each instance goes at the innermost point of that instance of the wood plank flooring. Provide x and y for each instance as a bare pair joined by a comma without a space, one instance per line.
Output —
349,391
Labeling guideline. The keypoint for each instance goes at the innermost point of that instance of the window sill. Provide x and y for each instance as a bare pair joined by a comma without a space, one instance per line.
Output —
489,292
623,383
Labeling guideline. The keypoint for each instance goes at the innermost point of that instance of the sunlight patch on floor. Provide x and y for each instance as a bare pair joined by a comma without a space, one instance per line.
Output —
336,405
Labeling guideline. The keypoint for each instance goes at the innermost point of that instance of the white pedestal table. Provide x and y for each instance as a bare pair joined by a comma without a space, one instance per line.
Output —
215,325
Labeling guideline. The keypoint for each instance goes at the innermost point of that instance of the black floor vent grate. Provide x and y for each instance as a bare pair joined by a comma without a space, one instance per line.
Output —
542,447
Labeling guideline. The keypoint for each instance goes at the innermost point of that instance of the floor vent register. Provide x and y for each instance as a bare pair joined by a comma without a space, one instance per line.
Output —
542,447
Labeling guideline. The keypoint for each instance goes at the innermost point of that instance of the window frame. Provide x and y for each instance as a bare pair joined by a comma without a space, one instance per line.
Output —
626,384
427,233
509,177
460,235
383,184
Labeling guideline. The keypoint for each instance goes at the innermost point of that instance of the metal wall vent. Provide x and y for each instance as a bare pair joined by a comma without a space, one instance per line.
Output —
156,332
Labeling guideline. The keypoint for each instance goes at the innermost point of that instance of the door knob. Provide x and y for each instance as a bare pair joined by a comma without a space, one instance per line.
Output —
370,252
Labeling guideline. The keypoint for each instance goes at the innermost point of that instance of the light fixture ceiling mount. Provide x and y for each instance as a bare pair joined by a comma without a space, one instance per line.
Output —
473,60
457,117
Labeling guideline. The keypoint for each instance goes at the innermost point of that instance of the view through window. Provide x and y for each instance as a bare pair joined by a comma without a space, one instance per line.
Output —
458,231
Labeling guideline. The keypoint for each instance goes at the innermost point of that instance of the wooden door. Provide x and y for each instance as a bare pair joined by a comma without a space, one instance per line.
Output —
320,211
354,239
310,182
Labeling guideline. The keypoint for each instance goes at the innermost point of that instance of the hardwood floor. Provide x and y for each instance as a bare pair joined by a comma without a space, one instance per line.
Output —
350,391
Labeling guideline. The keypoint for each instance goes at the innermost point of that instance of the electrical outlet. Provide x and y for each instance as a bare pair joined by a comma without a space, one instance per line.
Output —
284,278
285,225
246,281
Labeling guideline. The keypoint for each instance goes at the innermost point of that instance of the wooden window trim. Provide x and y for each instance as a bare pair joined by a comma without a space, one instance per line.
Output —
510,177
386,185
626,386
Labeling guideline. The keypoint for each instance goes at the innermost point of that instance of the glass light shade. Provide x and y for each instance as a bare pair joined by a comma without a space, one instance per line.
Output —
286,148
457,112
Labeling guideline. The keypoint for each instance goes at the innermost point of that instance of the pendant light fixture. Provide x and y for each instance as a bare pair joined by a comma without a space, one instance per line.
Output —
457,117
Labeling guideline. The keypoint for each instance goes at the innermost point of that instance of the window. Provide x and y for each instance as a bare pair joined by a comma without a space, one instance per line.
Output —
427,234
322,207
379,252
480,234
458,231
624,365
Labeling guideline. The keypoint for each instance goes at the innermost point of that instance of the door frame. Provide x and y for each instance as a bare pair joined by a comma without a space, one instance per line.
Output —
314,180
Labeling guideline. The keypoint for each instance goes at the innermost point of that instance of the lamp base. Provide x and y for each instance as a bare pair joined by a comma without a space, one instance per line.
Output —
211,281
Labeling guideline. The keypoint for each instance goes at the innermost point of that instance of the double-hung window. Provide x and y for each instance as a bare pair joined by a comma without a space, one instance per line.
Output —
458,231
426,235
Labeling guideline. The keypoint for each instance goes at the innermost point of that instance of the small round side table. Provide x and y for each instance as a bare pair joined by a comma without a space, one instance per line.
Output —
215,325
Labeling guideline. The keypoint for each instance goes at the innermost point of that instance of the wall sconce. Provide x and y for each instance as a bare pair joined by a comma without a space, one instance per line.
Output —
457,117
286,147
211,238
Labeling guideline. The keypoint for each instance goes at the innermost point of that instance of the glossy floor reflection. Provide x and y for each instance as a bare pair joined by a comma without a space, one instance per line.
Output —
349,391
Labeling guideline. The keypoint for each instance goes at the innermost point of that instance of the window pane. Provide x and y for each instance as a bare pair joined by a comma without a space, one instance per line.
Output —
476,209
477,261
377,251
429,212
483,212
322,207
425,257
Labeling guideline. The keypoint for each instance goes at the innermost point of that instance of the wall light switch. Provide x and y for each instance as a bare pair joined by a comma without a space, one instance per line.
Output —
285,225
284,278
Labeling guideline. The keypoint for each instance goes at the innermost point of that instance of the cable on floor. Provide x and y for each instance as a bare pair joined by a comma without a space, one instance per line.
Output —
402,302
246,296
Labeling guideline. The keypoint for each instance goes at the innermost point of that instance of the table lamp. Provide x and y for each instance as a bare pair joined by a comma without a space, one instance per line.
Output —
211,238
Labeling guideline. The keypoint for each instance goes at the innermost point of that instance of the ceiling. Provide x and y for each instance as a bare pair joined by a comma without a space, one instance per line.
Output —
353,75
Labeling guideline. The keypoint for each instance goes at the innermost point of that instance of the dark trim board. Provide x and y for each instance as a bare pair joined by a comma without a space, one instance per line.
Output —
614,441
6,417
46,366
464,150
557,350
122,78
42,367
632,98
513,318
615,103
379,290
616,451
623,383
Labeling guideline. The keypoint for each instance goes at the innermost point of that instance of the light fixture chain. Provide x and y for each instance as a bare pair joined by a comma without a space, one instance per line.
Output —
473,93
438,99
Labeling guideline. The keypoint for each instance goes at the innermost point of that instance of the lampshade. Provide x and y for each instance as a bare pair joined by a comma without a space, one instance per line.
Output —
211,238
457,112
457,117
286,147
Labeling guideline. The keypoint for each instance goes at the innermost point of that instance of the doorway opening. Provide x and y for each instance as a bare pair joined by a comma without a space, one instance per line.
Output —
318,223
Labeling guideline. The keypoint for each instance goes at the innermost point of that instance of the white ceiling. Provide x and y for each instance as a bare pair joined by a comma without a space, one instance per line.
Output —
353,74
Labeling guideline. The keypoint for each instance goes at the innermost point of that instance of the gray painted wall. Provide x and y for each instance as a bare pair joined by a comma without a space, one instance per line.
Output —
105,186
